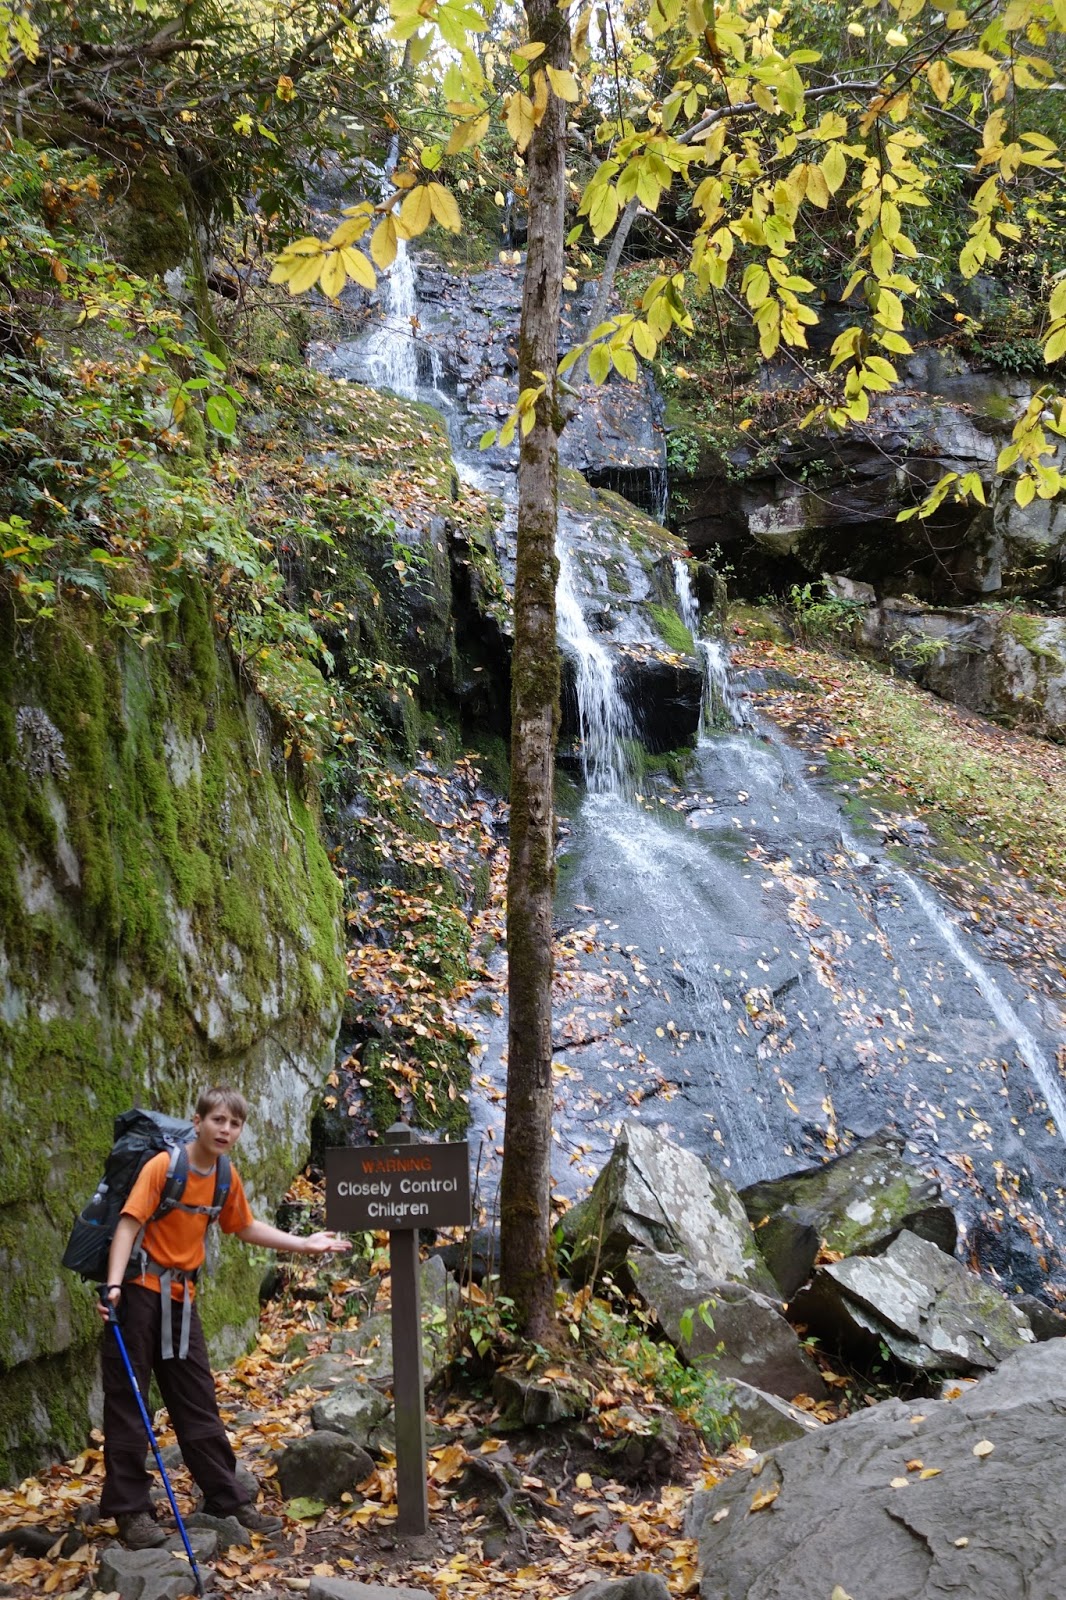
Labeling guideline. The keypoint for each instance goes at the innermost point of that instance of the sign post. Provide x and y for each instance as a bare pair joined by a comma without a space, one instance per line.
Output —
402,1186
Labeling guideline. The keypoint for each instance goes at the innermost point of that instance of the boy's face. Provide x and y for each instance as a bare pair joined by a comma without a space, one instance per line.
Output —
217,1131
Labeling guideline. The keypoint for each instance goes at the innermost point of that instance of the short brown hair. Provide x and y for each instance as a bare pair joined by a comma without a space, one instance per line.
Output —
221,1095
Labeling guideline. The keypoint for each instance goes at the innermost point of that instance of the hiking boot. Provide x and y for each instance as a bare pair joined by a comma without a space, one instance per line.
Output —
140,1531
248,1517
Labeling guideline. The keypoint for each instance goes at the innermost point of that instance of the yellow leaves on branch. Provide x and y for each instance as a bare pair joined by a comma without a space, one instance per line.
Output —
334,262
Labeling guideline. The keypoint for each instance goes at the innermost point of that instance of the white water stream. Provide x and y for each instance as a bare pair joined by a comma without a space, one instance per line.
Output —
1024,1040
391,351
720,705
605,722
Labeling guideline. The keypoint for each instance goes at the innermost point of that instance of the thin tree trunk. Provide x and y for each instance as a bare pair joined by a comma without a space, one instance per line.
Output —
605,287
527,1272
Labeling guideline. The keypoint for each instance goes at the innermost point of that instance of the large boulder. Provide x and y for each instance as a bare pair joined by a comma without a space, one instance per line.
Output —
930,1311
1008,665
726,1325
653,1195
855,1204
914,1501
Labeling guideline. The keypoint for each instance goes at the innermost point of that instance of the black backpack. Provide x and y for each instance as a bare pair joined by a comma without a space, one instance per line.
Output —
139,1135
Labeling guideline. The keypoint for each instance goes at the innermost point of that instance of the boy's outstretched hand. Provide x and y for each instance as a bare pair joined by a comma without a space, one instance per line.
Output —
320,1244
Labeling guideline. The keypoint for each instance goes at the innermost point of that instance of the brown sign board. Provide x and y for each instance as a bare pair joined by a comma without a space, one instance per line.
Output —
397,1186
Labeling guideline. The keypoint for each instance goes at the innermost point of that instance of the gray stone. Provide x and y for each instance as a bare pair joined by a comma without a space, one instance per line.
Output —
653,1195
1045,1321
227,1530
789,1242
161,1574
355,1409
852,1509
322,1466
321,1372
857,1203
930,1311
352,1589
531,1400
737,1331
639,1586
766,1419
370,1345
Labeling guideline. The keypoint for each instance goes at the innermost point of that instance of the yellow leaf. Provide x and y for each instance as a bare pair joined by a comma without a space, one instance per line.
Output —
930,1472
939,75
540,97
834,168
817,187
583,1481
520,119
564,84
467,133
305,275
985,1447
359,268
529,52
765,1497
898,1483
972,58
416,213
445,210
1024,490
334,276
383,243
348,232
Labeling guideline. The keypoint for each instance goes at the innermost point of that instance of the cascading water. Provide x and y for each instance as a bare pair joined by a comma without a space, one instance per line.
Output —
720,705
391,351
736,954
603,715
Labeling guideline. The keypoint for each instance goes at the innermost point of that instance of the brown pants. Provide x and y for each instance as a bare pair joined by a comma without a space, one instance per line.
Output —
188,1390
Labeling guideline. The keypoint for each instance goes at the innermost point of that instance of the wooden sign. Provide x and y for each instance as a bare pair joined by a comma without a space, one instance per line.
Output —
393,1186
402,1186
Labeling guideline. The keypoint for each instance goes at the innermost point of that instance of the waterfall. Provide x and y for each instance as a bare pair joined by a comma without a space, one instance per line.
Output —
603,715
390,352
1025,1044
720,705
686,600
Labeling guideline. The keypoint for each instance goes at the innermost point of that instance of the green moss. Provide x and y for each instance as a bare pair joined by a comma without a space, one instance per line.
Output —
1027,631
673,631
757,622
148,225
56,1389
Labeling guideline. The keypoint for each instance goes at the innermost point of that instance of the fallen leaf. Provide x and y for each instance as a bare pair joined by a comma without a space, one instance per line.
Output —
765,1498
984,1448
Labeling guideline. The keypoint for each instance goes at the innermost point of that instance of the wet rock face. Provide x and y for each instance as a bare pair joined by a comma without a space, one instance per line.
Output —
850,1505
615,434
929,1311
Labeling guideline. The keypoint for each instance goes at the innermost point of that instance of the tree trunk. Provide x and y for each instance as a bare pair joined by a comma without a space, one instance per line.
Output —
527,1273
605,288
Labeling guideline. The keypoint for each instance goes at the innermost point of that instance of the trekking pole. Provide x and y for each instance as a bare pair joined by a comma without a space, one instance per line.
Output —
112,1318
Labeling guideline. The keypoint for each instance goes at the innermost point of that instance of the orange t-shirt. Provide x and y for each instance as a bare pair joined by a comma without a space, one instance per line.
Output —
177,1240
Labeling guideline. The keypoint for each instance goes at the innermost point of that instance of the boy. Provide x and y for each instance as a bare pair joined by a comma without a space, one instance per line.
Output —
161,1327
